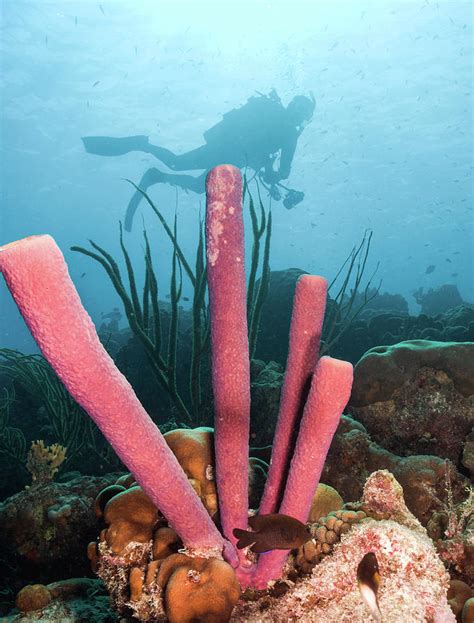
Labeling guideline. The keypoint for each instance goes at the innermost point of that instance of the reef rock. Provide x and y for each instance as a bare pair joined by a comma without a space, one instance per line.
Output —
353,456
417,397
44,527
438,300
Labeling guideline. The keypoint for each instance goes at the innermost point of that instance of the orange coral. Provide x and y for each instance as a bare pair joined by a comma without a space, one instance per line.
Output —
33,597
105,496
165,543
131,517
198,589
195,453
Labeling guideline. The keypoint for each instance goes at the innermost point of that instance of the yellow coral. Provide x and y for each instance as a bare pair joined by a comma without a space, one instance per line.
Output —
43,461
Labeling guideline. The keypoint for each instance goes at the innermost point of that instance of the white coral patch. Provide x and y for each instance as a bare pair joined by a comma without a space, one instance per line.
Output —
217,215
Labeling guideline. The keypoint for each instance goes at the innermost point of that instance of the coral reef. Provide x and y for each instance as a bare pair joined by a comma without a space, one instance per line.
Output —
413,588
425,415
417,397
69,601
380,522
136,558
384,369
452,530
167,501
413,585
43,528
92,379
438,300
353,456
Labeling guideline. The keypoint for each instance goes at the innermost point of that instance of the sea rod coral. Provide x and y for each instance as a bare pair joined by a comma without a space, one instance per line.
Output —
65,334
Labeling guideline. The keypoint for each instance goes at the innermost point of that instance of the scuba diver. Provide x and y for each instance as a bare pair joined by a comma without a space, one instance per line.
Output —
261,135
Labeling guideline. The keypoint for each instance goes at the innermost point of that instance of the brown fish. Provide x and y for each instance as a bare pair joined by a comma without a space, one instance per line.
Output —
368,580
274,531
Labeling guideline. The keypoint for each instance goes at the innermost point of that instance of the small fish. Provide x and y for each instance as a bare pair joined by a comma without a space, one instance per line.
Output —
75,21
430,269
368,580
274,531
83,275
448,260
101,9
454,274
96,83
185,298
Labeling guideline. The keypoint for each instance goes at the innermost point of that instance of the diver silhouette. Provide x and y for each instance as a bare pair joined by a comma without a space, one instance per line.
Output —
261,135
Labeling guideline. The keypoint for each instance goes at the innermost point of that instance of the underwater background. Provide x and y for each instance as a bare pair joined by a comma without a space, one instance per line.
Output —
389,147
352,124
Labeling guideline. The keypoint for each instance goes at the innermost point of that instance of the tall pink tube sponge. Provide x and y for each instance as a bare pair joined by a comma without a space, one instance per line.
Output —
37,276
229,341
305,334
329,393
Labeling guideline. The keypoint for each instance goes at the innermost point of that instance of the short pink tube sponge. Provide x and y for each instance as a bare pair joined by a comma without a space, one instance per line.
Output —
305,334
37,276
329,393
229,341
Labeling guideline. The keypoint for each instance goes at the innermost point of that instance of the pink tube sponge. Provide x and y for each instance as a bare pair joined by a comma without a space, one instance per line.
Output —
305,334
229,341
37,276
329,393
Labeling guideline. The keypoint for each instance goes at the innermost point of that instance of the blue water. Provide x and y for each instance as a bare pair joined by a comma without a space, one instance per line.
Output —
389,147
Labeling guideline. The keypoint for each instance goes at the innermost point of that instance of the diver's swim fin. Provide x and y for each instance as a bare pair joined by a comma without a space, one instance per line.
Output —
131,209
109,146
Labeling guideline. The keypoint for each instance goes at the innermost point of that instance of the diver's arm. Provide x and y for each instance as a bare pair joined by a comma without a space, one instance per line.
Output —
287,153
270,176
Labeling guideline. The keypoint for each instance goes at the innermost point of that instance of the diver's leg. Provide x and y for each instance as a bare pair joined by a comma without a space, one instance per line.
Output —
186,182
154,176
200,158
109,146
151,177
